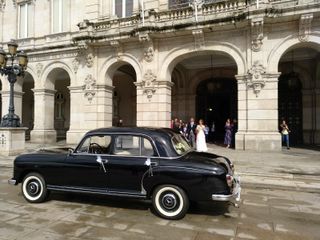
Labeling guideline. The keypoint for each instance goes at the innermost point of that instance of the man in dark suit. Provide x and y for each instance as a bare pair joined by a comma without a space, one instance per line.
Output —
191,132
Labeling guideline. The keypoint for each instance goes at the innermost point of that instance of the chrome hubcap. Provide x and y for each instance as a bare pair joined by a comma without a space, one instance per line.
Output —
33,188
169,201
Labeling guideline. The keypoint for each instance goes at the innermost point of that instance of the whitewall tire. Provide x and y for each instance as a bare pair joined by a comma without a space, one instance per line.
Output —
170,202
34,188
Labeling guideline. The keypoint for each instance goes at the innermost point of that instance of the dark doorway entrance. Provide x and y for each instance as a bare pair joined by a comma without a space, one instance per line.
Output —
216,101
290,105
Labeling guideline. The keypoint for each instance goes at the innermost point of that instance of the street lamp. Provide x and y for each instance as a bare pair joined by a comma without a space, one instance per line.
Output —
12,64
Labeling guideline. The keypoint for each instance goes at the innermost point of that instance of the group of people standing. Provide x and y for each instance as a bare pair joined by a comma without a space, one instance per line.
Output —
197,134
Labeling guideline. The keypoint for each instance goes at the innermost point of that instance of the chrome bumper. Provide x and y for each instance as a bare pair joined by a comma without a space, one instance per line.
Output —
236,192
12,181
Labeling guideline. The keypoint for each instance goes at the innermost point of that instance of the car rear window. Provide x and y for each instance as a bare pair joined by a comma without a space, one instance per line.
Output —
180,144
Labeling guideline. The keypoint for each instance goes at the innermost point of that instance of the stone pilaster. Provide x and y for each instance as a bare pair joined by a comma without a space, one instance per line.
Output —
43,131
154,104
258,115
77,115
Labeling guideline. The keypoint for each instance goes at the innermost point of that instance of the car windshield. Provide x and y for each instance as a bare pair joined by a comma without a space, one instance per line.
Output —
180,144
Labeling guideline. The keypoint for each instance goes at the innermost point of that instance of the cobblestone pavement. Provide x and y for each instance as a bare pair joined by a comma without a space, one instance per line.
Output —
263,214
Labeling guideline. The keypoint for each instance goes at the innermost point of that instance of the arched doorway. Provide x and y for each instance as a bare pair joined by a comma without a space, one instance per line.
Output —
216,101
124,96
28,104
60,80
298,94
205,87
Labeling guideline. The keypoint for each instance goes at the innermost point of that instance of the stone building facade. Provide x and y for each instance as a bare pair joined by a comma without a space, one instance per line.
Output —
94,62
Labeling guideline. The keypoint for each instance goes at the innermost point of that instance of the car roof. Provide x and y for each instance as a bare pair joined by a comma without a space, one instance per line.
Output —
151,131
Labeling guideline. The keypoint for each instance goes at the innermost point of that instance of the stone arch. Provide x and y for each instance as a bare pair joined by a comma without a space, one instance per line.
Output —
184,51
196,80
287,44
111,64
46,82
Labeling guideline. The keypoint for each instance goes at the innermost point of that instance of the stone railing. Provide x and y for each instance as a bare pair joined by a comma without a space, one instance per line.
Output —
174,14
214,7
118,23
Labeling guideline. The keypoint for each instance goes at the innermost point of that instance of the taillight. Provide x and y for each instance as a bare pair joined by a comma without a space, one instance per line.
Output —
229,179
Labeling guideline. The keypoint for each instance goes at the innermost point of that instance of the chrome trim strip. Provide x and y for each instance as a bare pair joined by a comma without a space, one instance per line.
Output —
12,181
100,192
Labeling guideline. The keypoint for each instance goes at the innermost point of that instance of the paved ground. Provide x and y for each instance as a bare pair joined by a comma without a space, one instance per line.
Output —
263,214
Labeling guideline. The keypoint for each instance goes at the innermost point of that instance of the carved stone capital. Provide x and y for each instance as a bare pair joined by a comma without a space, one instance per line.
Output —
305,27
256,34
89,87
198,36
16,2
255,78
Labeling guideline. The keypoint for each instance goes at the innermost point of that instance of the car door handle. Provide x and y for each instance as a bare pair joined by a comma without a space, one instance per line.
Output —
100,160
154,164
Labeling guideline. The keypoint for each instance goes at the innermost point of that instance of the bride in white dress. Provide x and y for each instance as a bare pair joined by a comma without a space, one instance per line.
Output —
201,138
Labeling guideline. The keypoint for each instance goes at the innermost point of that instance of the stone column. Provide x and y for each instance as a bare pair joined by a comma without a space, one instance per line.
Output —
77,115
307,116
104,107
242,112
43,131
258,113
317,120
154,103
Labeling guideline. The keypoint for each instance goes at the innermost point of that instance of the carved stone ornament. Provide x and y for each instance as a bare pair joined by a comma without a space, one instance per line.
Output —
148,46
117,47
149,54
2,5
16,2
3,139
39,68
148,83
256,34
89,60
89,87
255,79
75,65
305,27
198,38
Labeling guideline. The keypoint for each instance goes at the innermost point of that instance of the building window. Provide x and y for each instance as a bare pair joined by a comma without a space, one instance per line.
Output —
179,3
122,8
59,15
25,20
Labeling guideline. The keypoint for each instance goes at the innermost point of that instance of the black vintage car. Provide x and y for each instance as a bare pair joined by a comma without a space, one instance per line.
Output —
146,163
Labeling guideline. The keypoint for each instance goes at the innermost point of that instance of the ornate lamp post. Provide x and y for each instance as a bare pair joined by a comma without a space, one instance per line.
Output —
13,65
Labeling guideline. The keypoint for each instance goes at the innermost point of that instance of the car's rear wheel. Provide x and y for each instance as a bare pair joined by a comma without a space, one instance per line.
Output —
34,188
170,202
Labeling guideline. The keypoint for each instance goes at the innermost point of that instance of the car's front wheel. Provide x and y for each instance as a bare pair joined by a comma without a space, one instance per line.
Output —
34,188
170,202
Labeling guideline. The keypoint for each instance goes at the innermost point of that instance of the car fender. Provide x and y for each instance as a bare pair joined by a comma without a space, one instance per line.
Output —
192,180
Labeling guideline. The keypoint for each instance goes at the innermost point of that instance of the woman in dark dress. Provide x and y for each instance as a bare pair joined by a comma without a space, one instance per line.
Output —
228,135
